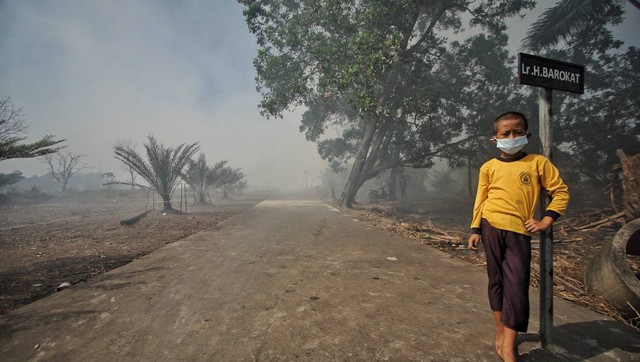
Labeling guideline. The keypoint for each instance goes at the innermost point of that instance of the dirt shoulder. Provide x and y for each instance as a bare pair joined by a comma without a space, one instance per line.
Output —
444,225
72,238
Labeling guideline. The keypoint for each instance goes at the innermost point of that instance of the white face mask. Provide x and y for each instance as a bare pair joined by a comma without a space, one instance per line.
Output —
511,145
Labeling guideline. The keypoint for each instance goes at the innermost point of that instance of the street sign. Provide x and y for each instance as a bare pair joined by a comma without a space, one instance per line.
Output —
549,73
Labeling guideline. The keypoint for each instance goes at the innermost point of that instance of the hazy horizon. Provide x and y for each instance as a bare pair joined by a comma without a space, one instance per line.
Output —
97,72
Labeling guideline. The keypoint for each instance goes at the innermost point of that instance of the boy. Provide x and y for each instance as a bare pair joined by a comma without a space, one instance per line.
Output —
508,191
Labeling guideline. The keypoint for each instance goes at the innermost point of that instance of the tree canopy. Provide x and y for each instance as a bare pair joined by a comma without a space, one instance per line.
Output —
379,70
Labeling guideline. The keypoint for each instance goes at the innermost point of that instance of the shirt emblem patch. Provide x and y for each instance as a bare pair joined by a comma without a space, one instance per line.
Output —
525,178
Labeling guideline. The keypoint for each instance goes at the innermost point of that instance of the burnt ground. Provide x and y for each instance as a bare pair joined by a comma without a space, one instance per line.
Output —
73,237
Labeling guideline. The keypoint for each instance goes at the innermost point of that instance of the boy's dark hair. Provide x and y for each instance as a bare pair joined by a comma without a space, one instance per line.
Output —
510,115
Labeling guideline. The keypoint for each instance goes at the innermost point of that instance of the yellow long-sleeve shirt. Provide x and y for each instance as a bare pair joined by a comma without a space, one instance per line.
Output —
508,192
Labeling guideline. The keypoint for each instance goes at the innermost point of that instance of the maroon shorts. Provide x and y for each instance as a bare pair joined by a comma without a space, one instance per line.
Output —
508,268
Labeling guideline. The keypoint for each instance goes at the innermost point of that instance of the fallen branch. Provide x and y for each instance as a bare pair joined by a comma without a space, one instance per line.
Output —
125,183
568,240
603,221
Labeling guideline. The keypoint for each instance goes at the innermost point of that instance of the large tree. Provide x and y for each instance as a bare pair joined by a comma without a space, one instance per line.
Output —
162,167
12,128
473,85
379,61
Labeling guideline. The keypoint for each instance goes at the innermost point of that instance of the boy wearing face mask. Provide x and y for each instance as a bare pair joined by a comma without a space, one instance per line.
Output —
508,191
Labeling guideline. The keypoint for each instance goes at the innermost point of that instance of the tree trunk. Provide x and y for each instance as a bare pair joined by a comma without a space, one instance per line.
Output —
630,185
166,202
352,186
376,145
392,184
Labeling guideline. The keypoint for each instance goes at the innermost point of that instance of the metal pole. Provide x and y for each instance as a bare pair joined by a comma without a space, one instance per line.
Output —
546,237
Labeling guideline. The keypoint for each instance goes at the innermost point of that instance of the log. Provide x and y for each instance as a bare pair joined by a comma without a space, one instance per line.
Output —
135,219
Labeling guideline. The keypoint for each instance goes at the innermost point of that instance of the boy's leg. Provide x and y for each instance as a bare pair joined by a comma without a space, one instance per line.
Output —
516,275
494,248
515,306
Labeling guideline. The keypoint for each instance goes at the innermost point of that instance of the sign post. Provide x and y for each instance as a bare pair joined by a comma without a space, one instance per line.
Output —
548,74
546,237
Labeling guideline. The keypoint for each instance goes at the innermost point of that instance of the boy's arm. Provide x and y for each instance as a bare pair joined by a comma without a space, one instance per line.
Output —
559,193
533,225
481,196
557,190
474,241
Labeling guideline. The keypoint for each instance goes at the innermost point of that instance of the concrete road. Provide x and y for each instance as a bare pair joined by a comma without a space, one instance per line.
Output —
292,280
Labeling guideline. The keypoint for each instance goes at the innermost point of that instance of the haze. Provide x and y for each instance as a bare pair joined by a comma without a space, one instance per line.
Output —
96,72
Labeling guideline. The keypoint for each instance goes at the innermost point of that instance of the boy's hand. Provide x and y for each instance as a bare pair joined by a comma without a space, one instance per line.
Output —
533,225
474,241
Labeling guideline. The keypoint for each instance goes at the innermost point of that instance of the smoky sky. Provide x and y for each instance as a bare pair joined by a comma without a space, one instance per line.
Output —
97,72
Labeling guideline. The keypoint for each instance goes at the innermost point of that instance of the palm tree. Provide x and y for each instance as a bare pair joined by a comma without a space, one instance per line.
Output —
202,177
568,18
163,166
229,180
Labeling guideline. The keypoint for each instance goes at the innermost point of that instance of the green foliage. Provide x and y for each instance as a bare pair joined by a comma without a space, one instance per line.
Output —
370,68
162,167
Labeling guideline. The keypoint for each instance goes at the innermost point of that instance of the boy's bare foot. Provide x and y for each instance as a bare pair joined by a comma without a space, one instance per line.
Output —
509,357
499,339
509,345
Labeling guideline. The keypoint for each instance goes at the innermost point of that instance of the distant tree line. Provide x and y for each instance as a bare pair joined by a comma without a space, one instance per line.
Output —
162,167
